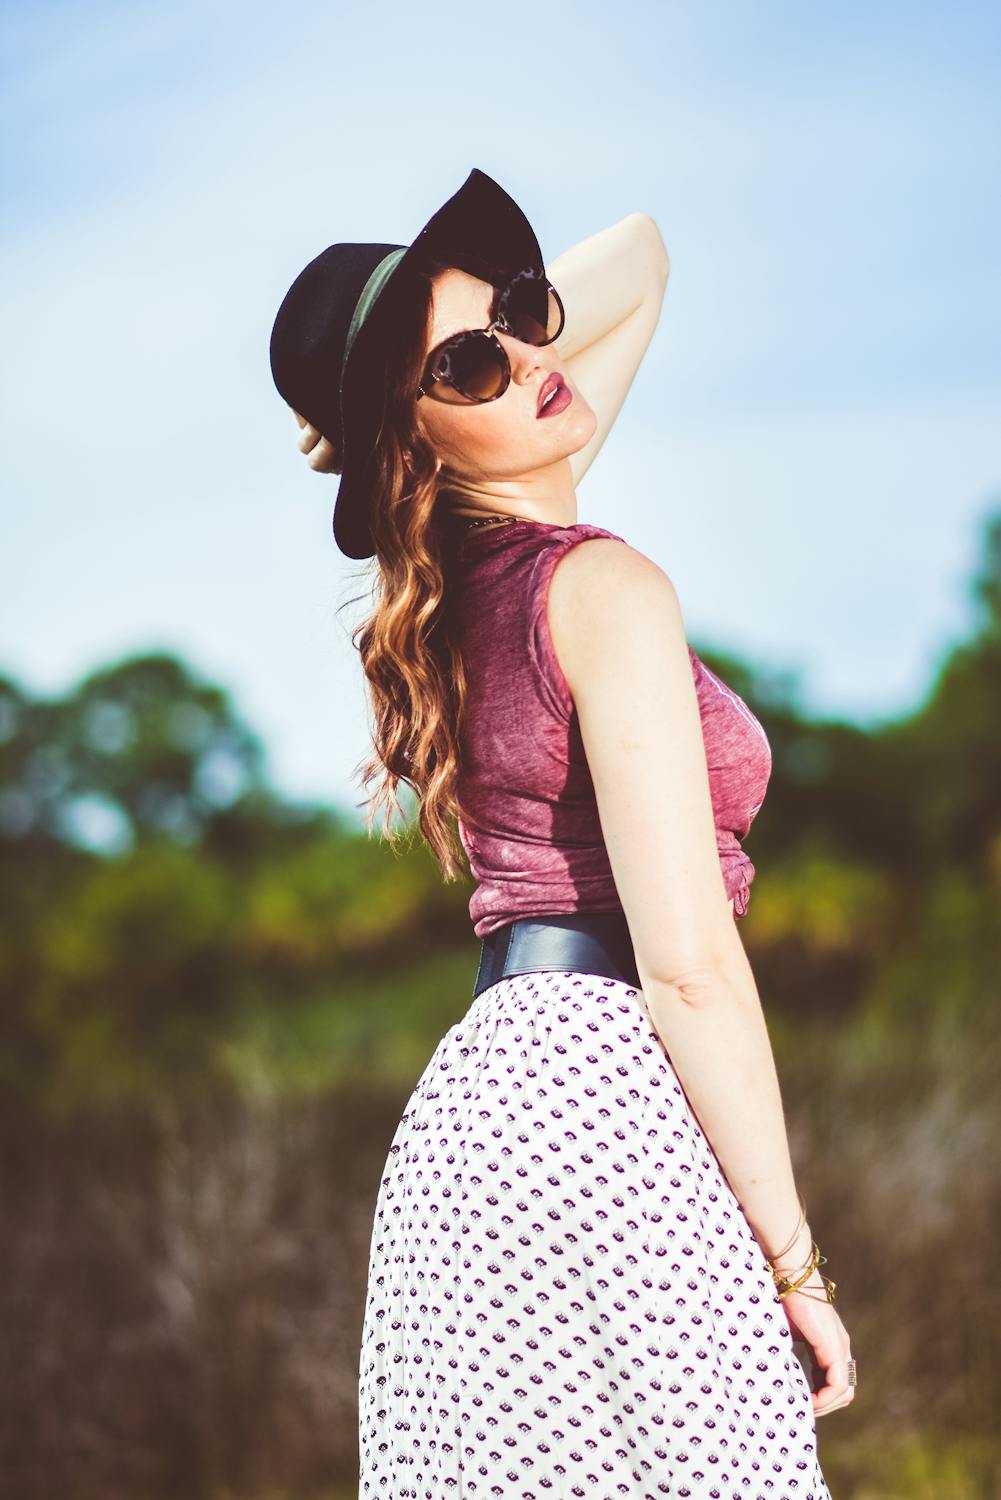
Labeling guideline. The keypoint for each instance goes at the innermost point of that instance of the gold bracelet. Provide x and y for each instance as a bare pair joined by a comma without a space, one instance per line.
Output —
790,1281
794,1282
799,1224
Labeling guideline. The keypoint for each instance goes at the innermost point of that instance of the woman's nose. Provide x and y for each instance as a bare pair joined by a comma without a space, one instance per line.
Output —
525,358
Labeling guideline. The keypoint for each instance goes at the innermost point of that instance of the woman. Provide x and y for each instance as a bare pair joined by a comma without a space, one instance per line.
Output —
589,1259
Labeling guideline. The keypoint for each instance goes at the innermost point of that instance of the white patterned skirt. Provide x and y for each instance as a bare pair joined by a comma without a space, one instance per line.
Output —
564,1297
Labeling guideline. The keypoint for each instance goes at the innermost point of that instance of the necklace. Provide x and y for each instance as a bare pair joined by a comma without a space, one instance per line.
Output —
486,520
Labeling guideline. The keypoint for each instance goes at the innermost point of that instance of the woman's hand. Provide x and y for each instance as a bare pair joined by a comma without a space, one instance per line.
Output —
818,1323
319,451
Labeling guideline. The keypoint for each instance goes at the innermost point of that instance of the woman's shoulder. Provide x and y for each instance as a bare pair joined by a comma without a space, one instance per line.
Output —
600,565
534,546
606,594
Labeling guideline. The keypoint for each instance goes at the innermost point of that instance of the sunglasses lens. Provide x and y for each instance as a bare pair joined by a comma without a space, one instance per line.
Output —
532,309
474,367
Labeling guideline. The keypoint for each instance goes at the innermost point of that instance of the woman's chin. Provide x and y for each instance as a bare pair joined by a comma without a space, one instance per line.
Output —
579,424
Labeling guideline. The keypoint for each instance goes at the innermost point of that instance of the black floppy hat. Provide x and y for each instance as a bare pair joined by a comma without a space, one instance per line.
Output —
324,338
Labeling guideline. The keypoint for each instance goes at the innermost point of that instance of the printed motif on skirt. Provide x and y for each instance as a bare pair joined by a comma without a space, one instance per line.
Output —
564,1297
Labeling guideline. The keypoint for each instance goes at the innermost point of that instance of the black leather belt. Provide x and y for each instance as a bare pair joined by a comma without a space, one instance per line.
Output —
595,942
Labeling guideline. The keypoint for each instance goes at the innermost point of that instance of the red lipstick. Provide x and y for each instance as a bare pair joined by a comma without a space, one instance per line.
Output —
559,401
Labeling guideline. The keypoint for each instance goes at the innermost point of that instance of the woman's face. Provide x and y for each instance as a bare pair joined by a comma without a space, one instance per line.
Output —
504,439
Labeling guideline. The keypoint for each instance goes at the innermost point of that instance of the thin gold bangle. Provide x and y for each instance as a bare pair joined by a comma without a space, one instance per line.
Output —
799,1224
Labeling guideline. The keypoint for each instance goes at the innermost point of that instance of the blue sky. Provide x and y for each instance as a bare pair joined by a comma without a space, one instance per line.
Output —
810,448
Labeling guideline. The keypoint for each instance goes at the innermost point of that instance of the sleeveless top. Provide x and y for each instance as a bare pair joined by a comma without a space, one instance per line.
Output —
529,823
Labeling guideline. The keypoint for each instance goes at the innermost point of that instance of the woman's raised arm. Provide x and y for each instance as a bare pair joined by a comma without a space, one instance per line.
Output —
612,287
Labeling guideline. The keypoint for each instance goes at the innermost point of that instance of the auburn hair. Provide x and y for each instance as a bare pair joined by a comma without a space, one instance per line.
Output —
416,682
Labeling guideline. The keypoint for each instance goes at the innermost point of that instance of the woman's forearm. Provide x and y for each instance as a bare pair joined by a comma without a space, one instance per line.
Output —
605,277
716,1036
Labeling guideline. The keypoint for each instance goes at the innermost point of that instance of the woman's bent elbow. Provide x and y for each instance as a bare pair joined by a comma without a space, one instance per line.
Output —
696,988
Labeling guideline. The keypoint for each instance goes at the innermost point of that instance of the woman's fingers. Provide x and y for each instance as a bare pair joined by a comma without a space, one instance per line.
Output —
318,450
322,458
308,438
835,1392
820,1325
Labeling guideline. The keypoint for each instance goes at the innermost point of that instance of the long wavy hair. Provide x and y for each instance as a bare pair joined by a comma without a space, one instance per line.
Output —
415,676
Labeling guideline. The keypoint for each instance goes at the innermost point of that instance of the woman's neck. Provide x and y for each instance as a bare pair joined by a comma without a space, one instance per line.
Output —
464,510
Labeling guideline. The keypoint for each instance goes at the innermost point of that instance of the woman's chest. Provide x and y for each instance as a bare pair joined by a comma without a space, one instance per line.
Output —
738,752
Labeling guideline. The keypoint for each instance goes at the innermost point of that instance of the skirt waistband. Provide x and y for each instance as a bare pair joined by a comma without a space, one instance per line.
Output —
595,942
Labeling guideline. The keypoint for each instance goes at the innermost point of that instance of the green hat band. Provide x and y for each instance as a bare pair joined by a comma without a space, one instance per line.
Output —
369,293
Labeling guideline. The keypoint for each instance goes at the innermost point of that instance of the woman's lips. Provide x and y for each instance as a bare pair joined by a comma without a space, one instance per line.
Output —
559,402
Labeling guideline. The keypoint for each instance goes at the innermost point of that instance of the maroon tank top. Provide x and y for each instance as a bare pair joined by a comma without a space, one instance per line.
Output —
530,823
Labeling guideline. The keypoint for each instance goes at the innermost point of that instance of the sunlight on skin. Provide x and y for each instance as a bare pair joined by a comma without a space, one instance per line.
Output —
499,454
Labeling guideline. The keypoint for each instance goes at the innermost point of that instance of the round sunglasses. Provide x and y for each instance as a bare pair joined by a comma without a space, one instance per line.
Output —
473,365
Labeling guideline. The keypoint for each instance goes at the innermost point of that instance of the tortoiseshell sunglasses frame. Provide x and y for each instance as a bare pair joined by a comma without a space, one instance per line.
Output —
458,340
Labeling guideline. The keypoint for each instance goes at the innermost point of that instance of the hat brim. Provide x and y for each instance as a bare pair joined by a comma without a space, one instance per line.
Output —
480,225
